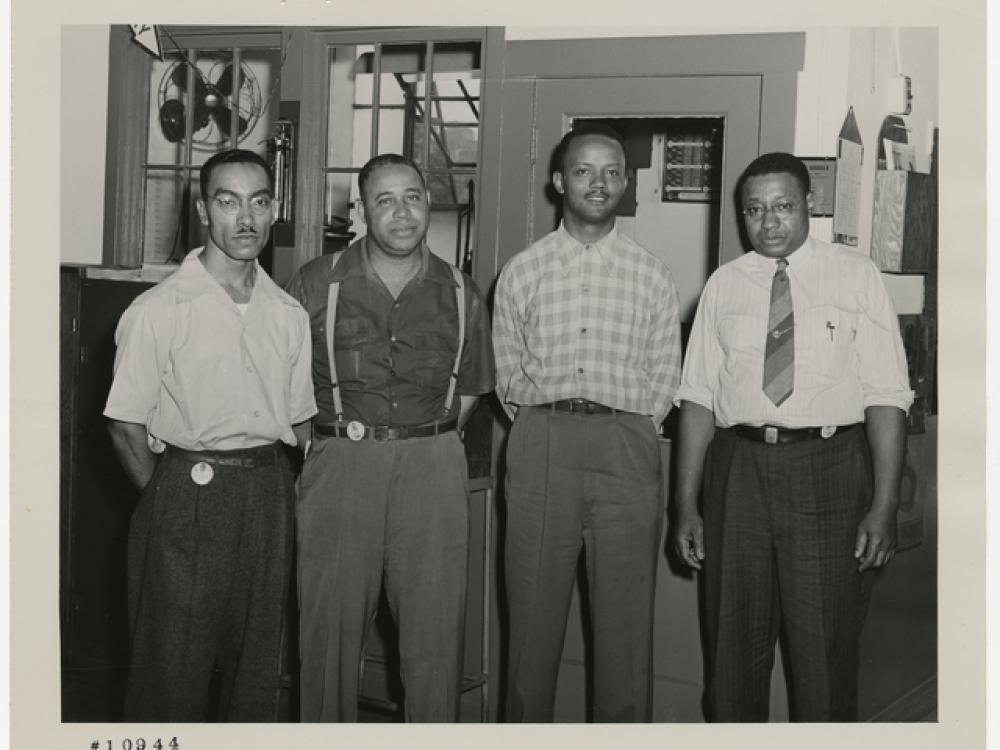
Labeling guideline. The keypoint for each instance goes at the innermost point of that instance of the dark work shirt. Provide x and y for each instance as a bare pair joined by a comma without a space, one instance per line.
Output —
393,356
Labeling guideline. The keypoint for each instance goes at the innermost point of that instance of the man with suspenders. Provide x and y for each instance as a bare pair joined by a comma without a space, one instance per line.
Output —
401,352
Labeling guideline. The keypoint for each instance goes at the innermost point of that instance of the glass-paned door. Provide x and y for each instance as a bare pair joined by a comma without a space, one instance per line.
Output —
417,97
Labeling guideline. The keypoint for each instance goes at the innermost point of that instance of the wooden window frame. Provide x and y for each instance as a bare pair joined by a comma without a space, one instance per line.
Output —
303,75
129,67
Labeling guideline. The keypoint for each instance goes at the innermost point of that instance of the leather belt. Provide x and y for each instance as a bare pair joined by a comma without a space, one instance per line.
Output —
244,458
774,435
359,431
579,406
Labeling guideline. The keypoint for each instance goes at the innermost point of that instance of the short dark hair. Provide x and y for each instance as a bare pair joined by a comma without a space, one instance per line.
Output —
582,130
386,160
232,156
776,162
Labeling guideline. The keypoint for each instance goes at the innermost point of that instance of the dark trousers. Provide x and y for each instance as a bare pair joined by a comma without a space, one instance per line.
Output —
369,510
780,526
208,577
590,481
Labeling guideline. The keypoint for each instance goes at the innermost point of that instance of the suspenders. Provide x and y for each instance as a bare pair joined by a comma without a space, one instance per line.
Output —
332,294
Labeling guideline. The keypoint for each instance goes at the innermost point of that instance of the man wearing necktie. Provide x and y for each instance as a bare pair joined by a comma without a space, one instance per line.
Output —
793,401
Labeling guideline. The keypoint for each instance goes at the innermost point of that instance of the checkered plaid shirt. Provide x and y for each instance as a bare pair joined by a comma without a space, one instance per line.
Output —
596,321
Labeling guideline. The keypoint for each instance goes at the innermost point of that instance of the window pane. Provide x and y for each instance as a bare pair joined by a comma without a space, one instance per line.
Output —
348,134
200,102
453,141
206,92
447,151
171,221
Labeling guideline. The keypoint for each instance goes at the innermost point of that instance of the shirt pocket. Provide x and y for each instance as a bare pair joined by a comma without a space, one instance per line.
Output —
351,338
824,342
742,338
433,358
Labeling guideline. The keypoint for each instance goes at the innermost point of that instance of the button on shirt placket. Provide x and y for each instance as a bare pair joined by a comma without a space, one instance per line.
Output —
249,379
593,268
394,312
584,304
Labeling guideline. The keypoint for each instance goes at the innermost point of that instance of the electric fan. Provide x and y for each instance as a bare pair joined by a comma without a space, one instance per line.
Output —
214,102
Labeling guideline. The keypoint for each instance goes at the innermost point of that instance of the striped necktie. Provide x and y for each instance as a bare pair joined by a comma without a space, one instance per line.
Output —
779,352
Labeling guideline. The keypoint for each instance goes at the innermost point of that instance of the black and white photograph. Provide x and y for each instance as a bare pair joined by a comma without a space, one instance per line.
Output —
537,369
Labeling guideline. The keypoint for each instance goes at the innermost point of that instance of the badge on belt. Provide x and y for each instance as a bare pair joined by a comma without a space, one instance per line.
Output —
355,430
202,473
827,431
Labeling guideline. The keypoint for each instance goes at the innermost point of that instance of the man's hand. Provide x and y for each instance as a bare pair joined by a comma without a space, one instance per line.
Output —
688,540
876,540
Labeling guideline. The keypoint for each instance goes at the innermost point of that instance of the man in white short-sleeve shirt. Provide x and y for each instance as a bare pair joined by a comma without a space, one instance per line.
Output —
793,400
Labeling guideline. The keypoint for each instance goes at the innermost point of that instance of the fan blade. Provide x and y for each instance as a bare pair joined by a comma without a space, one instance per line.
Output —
225,82
172,120
179,78
201,113
223,117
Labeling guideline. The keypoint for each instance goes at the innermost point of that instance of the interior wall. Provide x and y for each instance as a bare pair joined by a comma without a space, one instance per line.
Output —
853,68
82,105
85,74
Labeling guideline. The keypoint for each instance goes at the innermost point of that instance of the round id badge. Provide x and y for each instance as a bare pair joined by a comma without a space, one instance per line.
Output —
202,473
355,430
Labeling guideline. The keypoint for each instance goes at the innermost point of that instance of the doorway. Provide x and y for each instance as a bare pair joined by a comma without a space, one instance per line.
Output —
740,90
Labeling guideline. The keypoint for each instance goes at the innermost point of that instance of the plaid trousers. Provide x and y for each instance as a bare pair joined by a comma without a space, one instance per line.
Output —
780,526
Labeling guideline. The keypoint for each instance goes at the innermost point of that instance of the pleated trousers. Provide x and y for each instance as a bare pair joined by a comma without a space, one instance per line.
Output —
780,528
373,513
591,482
208,579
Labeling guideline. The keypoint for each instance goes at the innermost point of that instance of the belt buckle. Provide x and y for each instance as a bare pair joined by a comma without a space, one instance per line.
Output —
770,435
355,430
381,433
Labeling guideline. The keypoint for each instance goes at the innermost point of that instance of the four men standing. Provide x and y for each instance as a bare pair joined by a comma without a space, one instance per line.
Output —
794,346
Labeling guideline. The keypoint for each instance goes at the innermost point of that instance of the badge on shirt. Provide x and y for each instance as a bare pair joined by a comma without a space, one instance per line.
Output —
355,430
827,431
202,473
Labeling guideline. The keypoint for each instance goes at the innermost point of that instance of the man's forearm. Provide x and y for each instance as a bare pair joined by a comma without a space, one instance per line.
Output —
129,441
697,426
886,430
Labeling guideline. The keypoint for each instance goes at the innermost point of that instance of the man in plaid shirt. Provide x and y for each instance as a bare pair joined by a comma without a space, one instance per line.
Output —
588,358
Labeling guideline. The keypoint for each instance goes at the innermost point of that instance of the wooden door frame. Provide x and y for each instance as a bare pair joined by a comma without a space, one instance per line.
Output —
305,87
776,58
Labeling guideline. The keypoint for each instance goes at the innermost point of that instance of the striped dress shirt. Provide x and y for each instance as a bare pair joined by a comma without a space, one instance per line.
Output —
848,350
597,321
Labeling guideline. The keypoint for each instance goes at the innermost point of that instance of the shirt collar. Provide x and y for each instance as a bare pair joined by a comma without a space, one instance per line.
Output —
797,261
569,248
195,280
356,262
